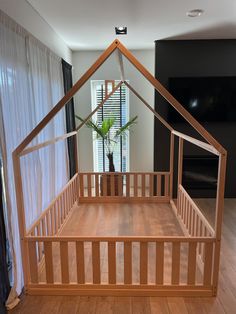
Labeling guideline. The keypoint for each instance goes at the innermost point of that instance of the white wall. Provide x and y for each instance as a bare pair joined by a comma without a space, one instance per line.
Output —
25,15
141,139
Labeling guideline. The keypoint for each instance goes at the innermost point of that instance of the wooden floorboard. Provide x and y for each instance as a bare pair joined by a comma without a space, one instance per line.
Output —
225,302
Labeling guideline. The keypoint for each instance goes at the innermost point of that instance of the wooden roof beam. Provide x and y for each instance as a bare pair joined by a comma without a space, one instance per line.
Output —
121,65
99,106
67,97
165,93
166,124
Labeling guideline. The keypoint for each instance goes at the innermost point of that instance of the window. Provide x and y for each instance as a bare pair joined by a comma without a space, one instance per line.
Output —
117,106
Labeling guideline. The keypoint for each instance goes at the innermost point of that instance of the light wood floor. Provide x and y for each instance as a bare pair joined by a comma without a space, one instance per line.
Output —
149,224
122,219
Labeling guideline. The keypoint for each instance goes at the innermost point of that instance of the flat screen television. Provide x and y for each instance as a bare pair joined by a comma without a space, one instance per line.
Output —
208,99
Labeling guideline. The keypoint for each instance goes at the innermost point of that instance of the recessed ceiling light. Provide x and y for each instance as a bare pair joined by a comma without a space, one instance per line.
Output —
121,30
195,12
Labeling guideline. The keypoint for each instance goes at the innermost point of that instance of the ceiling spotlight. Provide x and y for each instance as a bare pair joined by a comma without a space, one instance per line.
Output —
195,12
121,30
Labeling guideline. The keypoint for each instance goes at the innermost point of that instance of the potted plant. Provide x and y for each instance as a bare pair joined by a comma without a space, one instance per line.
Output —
105,131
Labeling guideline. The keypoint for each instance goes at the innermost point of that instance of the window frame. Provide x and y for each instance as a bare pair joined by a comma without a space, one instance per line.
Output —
94,103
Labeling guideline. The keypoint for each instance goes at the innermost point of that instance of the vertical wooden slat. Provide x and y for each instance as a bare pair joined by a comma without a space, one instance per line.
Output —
200,234
120,184
81,184
151,184
190,219
62,203
104,184
158,185
143,262
188,205
89,185
80,262
166,185
43,226
48,261
69,193
197,225
75,189
96,262
112,262
59,212
208,251
180,161
56,217
135,184
181,203
53,219
96,184
178,201
33,262
192,246
112,185
143,184
175,263
68,201
127,262
64,262
39,243
48,224
185,211
72,192
172,146
63,206
127,184
159,262
193,223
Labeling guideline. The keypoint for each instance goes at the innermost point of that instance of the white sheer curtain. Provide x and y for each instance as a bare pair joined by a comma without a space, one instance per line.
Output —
30,85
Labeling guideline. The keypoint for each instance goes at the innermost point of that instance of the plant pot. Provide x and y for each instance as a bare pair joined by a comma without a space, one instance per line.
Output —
111,184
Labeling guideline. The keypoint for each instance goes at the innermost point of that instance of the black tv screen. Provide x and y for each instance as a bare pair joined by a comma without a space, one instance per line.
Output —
208,99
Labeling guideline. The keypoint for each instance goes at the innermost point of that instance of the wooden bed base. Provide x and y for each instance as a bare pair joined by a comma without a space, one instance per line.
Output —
201,240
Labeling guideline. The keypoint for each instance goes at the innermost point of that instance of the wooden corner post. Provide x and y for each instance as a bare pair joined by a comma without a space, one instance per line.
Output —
219,218
21,217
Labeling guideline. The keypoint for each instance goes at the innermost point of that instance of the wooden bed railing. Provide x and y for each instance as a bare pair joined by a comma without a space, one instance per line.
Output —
187,208
109,264
53,217
121,186
194,221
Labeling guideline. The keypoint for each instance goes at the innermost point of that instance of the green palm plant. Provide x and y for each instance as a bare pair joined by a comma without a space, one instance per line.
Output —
106,132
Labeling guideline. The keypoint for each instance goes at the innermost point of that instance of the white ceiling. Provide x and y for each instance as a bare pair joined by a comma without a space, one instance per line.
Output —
89,24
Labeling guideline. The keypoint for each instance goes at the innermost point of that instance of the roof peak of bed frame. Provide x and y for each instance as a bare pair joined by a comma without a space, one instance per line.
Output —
116,44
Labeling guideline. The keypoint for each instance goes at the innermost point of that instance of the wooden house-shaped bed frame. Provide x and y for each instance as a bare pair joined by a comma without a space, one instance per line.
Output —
201,239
